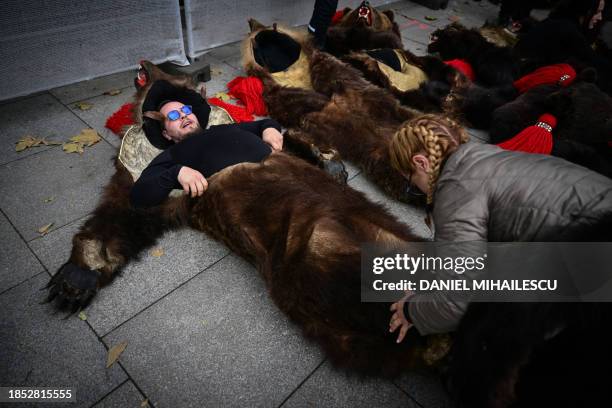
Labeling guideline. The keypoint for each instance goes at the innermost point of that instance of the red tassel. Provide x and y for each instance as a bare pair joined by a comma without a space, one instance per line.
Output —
120,119
537,138
249,91
464,67
337,17
238,113
562,74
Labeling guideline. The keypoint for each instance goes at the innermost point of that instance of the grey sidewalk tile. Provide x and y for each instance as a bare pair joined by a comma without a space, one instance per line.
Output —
352,170
408,214
415,47
417,32
17,263
217,341
104,106
94,87
330,388
42,349
225,51
235,61
426,389
185,253
221,74
127,395
39,116
71,181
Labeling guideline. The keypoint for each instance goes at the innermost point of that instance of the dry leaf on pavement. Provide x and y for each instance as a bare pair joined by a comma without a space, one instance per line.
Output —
87,137
31,141
113,92
72,147
223,96
83,106
144,404
114,353
49,199
157,252
45,229
82,316
430,18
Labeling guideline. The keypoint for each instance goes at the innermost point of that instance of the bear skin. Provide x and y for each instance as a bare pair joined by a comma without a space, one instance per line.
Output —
364,28
492,65
584,122
340,110
306,247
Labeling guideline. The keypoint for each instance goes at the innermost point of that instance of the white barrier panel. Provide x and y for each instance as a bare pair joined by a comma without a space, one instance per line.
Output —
45,44
210,24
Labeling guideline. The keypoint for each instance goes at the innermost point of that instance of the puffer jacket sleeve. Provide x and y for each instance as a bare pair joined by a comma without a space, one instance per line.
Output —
459,216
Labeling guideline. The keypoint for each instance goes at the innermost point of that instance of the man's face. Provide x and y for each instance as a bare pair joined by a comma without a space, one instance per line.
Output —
179,129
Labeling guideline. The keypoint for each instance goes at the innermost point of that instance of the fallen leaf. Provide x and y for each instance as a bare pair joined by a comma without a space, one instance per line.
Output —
223,96
113,92
216,71
72,147
50,143
49,199
45,229
83,106
144,404
454,19
430,18
114,353
157,252
82,316
87,137
25,142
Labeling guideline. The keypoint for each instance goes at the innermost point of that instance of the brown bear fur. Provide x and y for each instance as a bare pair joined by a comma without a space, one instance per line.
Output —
302,231
342,111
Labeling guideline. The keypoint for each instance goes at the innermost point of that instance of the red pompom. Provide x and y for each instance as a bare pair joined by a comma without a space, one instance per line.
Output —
561,74
238,113
337,17
462,66
537,138
118,121
249,91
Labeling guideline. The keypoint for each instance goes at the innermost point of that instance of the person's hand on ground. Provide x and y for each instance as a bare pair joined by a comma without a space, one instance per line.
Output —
192,181
274,138
398,319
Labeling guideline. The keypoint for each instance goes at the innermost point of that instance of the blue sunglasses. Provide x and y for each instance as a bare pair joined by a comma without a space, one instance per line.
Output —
175,114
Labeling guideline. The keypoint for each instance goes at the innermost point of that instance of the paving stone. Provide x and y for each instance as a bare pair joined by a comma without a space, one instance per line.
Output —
127,395
38,116
417,31
415,47
104,106
185,253
221,73
225,51
73,181
426,389
235,61
216,341
330,388
17,263
41,349
408,214
94,87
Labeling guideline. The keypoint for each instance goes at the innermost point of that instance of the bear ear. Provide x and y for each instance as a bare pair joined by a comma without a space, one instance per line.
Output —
588,75
255,25
560,104
389,13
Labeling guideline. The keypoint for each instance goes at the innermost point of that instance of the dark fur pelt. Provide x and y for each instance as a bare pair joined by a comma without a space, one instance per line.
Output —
430,95
584,122
475,104
492,65
354,34
535,354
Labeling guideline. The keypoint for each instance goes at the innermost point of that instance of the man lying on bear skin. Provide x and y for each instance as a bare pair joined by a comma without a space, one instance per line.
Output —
300,228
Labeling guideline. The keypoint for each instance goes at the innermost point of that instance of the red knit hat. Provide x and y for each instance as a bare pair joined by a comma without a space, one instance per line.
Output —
561,74
537,138
462,66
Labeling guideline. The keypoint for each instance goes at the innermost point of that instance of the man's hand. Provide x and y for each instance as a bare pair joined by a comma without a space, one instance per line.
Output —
399,320
274,138
192,181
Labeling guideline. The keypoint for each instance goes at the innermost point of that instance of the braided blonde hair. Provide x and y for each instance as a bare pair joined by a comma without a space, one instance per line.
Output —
435,136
